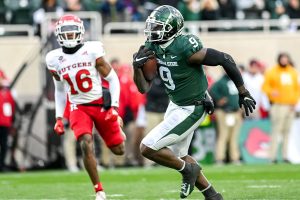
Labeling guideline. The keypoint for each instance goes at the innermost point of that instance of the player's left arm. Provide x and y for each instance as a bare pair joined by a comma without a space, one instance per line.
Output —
109,74
212,57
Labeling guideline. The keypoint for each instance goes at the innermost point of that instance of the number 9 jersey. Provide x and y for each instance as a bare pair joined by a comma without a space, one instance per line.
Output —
78,72
185,83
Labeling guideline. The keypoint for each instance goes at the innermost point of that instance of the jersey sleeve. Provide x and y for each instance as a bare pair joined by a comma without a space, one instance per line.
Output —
191,45
97,49
50,62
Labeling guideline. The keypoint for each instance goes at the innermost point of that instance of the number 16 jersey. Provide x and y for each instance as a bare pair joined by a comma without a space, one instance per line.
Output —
78,71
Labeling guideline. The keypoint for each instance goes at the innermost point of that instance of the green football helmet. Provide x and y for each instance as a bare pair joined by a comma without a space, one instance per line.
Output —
163,24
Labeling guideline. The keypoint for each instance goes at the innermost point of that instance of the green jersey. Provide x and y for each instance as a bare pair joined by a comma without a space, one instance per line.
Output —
185,83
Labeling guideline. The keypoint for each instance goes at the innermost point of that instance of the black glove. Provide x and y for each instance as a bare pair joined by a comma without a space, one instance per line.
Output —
140,57
208,104
247,101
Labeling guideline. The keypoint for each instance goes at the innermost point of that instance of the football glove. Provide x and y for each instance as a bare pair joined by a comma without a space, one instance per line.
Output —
59,127
111,115
247,101
140,57
208,104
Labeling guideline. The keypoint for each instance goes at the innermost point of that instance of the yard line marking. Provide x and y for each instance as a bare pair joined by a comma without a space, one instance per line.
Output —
264,186
115,195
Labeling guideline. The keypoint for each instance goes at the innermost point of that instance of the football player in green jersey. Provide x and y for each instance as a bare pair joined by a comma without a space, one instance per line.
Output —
180,58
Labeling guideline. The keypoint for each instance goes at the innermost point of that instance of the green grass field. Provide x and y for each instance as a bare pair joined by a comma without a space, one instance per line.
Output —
235,182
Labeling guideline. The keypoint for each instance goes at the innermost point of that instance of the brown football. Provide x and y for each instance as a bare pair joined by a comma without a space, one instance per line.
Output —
150,69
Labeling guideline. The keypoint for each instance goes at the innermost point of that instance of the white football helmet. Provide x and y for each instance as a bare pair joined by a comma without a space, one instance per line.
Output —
69,31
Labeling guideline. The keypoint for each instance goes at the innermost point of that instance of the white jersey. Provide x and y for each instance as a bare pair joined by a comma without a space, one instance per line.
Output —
78,72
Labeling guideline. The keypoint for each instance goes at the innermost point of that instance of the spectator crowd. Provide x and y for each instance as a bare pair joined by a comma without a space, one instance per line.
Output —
21,12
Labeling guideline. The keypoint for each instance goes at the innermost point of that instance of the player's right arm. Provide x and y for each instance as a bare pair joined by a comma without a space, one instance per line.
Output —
60,98
59,94
60,104
142,84
139,59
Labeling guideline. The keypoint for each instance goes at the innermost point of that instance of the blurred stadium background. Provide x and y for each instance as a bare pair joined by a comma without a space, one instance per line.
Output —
247,29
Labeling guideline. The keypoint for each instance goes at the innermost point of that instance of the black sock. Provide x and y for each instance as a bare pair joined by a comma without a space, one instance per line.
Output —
209,192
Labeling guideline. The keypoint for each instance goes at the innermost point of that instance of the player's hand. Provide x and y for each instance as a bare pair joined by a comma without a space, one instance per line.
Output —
140,57
208,104
247,101
59,127
111,115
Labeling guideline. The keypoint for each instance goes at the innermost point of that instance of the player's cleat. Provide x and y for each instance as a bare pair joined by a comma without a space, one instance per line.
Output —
100,195
217,196
189,178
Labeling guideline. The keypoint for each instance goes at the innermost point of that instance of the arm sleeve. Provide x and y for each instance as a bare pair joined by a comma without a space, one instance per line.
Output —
60,98
114,87
214,58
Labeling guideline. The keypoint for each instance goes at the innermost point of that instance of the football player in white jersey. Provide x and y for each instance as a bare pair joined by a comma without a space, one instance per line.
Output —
77,68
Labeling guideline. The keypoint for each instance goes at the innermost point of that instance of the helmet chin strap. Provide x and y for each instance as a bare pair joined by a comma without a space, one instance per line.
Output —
71,50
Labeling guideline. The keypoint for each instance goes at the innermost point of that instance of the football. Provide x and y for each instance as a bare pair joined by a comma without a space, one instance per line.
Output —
150,69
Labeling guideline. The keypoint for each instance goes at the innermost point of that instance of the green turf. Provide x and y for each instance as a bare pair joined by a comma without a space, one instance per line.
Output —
234,182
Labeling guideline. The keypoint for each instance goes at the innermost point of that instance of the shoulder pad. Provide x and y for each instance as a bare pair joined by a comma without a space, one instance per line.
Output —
52,59
95,48
190,45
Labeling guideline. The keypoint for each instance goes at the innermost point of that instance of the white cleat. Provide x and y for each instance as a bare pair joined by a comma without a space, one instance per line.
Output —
100,195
